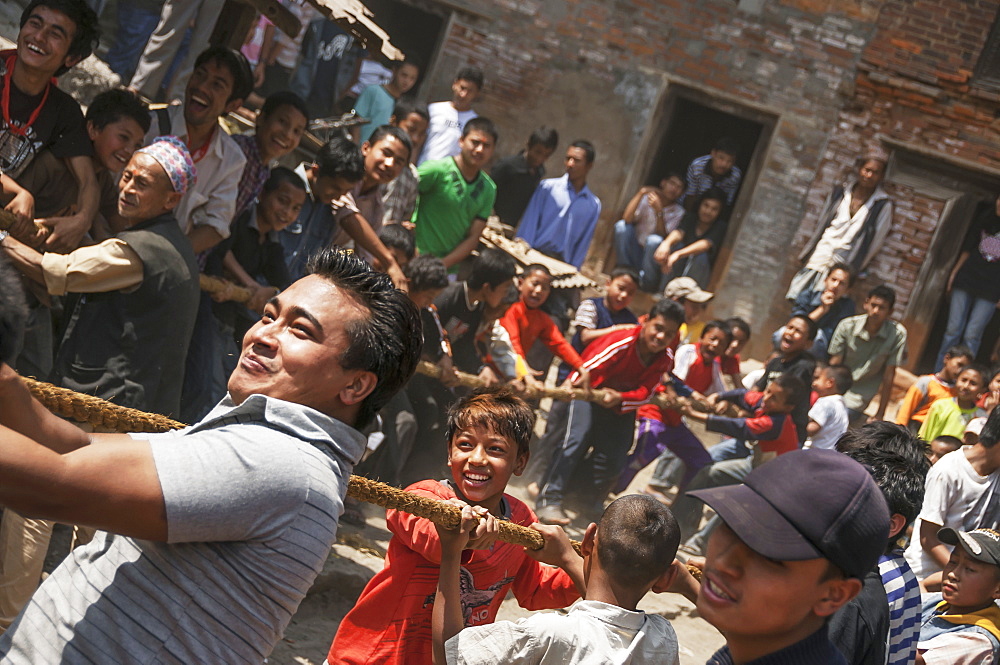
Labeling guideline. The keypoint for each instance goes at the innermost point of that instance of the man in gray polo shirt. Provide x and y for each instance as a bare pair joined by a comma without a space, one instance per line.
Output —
871,345
210,536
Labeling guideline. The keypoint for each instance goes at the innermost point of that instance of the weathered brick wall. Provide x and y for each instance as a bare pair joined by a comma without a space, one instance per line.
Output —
914,85
598,69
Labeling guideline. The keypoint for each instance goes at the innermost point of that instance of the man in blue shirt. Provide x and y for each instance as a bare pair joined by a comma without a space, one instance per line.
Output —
561,217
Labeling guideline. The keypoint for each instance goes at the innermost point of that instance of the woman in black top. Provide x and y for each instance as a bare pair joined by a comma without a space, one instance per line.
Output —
974,284
690,249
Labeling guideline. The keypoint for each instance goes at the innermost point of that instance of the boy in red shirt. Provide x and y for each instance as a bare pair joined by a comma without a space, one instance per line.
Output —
696,373
769,427
627,364
525,322
488,433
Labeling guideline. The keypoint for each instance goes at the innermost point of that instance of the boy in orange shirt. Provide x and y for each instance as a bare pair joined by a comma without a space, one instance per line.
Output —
525,322
932,387
488,433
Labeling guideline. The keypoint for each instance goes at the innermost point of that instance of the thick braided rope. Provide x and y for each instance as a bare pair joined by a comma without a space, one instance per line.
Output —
100,413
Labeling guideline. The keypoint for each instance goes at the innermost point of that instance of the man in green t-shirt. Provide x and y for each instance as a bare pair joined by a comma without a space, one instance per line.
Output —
456,196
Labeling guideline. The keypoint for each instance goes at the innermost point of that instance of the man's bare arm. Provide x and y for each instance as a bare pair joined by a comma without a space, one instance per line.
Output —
465,248
23,414
203,237
364,237
885,392
67,232
24,258
112,486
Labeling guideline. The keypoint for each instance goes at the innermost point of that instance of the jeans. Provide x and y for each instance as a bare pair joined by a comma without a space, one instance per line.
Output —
968,317
544,449
589,425
640,257
729,449
135,26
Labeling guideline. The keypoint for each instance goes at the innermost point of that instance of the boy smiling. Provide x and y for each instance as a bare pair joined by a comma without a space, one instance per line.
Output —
488,434
794,544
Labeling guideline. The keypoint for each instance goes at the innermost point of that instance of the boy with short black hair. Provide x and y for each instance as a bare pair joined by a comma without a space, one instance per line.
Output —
517,176
929,388
116,121
941,446
487,439
767,430
449,119
730,361
962,623
828,415
795,541
400,241
595,318
827,306
860,629
629,553
278,130
526,322
649,217
952,415
456,196
219,83
627,365
39,116
400,197
872,345
336,169
450,327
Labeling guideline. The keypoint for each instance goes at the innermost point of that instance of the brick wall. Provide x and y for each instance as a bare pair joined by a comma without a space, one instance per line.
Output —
834,72
914,85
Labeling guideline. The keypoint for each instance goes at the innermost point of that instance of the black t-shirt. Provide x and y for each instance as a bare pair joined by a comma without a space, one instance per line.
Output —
516,182
59,127
715,233
980,274
262,261
461,324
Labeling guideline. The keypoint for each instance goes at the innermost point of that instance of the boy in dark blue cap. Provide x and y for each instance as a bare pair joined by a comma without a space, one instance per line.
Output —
796,540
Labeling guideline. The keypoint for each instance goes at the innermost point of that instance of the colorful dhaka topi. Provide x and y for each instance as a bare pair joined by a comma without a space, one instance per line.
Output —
171,153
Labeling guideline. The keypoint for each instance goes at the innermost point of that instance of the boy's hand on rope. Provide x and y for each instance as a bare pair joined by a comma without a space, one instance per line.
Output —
477,529
558,550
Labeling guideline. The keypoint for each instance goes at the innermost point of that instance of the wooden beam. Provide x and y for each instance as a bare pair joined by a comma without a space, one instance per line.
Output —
279,15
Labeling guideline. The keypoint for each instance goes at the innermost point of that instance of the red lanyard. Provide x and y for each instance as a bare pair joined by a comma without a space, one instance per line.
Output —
8,81
196,155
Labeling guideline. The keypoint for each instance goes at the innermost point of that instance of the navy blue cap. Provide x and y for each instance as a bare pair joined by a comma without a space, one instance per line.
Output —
808,504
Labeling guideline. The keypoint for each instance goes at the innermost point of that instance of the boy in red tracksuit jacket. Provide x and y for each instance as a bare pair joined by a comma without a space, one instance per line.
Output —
488,433
525,322
627,364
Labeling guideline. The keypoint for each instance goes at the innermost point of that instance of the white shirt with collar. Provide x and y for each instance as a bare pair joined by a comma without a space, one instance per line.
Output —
592,633
212,199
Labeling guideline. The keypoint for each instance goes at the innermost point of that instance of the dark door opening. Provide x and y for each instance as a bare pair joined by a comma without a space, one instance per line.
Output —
694,120
412,30
991,335
693,129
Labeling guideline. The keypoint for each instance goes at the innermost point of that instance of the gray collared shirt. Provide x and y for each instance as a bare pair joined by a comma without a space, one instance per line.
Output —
867,356
252,494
